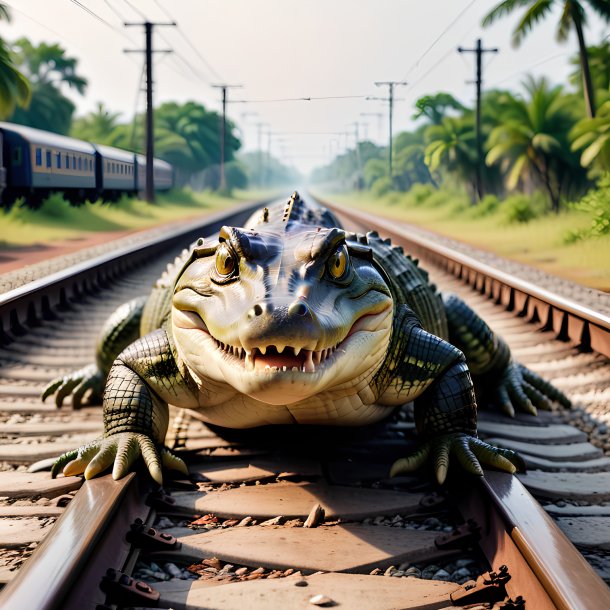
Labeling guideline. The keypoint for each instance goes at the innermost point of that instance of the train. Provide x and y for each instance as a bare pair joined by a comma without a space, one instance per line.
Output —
35,163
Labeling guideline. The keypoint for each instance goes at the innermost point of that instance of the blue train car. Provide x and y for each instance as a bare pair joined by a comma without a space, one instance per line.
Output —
163,174
39,163
115,170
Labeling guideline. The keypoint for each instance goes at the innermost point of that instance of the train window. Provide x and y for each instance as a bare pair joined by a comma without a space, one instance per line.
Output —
67,161
48,158
80,163
58,160
39,156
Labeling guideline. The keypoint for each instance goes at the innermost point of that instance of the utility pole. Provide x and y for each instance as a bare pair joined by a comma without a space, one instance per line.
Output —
379,116
356,126
261,177
150,129
478,50
223,131
390,84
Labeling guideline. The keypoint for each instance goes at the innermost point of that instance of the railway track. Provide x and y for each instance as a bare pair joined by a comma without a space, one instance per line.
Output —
280,523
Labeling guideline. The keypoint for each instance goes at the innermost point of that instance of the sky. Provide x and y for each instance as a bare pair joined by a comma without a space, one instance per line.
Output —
283,49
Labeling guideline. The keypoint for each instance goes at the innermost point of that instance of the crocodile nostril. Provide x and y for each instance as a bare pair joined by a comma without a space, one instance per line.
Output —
257,310
298,308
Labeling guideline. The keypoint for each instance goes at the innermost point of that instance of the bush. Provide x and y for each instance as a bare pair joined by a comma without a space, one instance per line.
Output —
486,207
522,208
597,203
420,192
382,186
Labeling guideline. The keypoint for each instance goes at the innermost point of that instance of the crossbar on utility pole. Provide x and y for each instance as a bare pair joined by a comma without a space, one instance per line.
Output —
390,84
478,50
150,135
223,131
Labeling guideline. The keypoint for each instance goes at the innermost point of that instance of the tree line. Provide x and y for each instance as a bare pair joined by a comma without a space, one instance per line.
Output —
34,80
542,137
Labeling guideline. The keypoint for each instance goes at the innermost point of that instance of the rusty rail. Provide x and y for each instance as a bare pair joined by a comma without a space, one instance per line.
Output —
30,304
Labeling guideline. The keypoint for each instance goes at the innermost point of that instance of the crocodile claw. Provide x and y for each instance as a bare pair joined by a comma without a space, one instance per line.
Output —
119,451
469,452
523,390
77,383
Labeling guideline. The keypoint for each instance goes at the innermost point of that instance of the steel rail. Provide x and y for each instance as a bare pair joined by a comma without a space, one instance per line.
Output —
53,576
30,304
546,569
567,318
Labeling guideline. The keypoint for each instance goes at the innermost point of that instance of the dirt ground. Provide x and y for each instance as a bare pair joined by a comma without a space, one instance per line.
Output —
16,257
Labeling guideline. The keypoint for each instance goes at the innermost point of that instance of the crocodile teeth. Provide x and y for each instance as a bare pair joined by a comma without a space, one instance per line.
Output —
297,351
284,368
308,365
316,357
295,369
280,348
263,349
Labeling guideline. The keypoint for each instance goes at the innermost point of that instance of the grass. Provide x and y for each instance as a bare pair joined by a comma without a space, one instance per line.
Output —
57,220
540,242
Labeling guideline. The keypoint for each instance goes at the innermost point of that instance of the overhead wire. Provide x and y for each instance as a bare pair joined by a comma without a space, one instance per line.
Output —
438,38
181,32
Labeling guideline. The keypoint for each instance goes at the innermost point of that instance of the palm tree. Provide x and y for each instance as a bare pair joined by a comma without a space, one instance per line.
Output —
530,143
14,86
573,13
599,65
593,137
97,126
452,145
49,71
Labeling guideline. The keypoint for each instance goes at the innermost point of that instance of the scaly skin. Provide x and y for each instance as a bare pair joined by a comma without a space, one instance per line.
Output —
293,320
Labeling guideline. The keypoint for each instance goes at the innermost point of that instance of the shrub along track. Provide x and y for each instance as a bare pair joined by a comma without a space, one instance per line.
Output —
291,524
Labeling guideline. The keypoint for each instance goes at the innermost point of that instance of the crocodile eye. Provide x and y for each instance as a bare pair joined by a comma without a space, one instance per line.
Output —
225,261
338,262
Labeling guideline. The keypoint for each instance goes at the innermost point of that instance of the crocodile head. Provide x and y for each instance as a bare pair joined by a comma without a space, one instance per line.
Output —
282,313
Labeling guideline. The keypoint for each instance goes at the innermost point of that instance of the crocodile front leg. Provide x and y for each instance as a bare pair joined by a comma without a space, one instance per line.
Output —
508,383
427,368
142,381
120,330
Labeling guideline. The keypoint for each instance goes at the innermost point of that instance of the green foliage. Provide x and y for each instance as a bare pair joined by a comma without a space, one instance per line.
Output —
373,170
530,143
573,15
14,86
596,203
592,137
420,193
49,71
486,207
522,208
263,170
434,107
599,64
97,126
235,175
382,186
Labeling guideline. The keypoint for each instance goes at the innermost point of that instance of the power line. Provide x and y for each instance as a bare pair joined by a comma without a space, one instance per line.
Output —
92,13
135,9
390,84
299,99
150,145
189,42
478,51
534,65
439,37
223,130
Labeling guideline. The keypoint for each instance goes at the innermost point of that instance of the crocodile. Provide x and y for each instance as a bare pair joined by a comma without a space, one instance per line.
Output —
294,320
